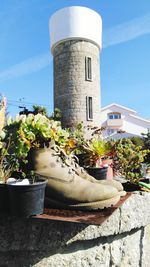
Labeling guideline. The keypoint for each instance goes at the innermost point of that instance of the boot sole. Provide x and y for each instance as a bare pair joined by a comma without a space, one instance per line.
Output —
83,206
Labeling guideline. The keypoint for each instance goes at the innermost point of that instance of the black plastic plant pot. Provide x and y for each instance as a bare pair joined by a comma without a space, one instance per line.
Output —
4,199
27,200
130,187
97,173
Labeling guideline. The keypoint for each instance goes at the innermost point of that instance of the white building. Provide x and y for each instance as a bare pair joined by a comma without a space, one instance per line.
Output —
121,121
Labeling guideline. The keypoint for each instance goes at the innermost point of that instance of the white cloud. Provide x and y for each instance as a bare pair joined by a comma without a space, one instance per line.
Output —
26,67
127,31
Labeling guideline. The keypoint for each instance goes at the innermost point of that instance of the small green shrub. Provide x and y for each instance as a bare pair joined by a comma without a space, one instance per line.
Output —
128,159
146,140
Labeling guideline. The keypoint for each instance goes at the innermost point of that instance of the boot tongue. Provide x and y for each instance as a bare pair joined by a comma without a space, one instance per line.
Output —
52,144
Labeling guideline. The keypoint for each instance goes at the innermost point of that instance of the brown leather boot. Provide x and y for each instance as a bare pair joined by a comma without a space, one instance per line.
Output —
66,189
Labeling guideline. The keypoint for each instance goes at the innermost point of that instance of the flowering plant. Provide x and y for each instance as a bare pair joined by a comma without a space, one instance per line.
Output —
95,150
34,131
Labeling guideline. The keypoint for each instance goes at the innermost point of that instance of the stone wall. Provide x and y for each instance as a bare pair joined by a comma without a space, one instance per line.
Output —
70,85
123,240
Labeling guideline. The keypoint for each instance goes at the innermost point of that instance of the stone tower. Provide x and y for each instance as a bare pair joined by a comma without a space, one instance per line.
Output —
75,34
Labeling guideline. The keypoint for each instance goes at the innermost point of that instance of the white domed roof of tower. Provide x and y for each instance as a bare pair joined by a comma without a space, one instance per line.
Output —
75,22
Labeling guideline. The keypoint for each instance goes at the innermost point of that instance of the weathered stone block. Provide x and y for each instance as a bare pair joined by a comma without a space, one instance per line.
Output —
123,240
146,247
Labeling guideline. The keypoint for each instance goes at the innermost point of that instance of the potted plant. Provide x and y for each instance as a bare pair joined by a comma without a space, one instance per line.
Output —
128,158
27,196
77,140
26,193
5,167
4,174
20,202
8,162
95,151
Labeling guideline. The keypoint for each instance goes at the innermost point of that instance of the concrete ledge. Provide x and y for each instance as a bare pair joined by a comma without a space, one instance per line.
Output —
121,241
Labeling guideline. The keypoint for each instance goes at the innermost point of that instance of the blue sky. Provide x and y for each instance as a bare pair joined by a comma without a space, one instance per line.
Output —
26,68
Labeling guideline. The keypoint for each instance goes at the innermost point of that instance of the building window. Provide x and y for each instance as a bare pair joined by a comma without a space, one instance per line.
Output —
88,69
114,116
89,108
111,131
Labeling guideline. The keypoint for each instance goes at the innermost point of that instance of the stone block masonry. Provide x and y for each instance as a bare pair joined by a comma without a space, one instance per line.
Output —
123,240
70,85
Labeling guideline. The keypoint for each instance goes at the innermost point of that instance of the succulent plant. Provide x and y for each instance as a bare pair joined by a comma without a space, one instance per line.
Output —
35,131
96,150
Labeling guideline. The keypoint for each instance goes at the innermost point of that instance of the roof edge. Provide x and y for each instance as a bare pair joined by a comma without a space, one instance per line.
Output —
120,106
140,118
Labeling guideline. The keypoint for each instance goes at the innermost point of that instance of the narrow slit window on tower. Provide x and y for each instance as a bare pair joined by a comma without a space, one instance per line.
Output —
89,108
88,69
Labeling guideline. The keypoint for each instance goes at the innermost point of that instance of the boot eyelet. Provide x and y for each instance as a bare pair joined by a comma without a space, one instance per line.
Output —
63,165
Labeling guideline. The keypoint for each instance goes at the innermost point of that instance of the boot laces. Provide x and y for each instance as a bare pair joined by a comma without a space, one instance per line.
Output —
61,156
74,163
